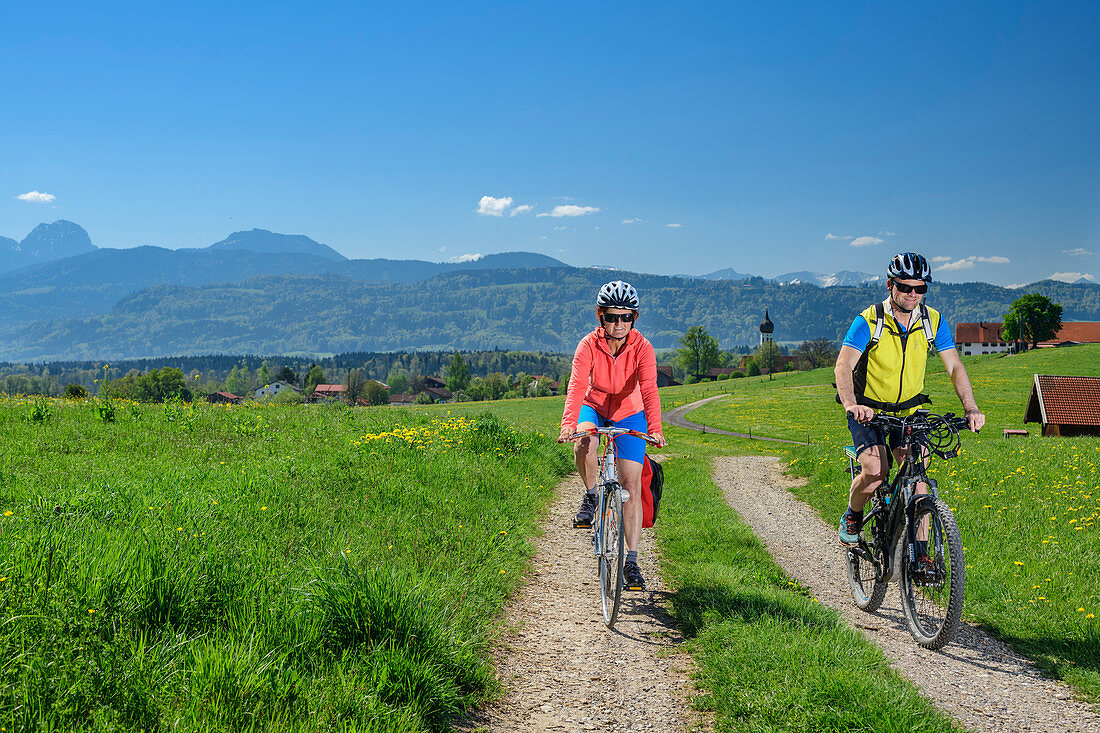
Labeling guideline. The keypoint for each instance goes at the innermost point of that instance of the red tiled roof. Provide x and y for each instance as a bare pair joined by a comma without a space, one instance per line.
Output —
329,389
1083,332
1064,400
978,333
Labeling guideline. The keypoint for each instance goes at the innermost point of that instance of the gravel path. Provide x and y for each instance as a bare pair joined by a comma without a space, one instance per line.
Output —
563,669
978,680
676,416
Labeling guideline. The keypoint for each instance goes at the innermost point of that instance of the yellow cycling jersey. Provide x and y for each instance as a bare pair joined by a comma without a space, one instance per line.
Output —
890,373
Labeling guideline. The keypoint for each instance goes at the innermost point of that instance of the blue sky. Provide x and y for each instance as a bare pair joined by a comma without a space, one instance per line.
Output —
667,138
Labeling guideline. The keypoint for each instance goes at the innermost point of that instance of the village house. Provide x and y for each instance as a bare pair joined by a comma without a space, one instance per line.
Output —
328,392
972,339
270,390
224,398
665,377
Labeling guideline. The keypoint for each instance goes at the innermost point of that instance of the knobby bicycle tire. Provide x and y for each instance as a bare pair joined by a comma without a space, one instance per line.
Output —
933,605
610,553
868,591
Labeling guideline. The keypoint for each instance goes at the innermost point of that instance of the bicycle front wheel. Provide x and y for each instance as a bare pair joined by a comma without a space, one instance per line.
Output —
863,573
610,553
933,598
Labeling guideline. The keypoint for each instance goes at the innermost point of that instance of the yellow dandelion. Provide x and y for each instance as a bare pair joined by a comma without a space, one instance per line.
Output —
1019,563
263,509
179,529
8,513
91,610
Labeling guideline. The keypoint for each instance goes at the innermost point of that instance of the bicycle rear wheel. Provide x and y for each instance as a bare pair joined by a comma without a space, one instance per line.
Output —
863,576
933,601
610,553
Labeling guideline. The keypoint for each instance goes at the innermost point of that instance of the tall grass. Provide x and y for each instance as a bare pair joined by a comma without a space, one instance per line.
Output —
200,567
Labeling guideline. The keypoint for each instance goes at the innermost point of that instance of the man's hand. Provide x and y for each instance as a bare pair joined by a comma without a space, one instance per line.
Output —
860,413
976,419
661,442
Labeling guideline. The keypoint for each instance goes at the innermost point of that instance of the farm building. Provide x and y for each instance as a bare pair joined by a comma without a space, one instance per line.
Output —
1065,405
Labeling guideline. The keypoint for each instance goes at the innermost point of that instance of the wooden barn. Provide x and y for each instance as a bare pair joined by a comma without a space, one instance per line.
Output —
1065,405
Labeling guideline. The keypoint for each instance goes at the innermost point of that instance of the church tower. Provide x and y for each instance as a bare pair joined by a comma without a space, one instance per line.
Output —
766,328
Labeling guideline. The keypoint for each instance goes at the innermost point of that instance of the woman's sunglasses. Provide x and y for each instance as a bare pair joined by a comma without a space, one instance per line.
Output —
616,317
903,288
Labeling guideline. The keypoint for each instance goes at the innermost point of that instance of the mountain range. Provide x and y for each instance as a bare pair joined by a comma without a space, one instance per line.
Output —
266,293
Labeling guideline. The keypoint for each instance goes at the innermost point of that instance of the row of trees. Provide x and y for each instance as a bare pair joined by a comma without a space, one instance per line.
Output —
699,353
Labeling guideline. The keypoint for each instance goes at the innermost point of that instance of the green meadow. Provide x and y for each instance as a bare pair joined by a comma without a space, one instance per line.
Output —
267,568
325,568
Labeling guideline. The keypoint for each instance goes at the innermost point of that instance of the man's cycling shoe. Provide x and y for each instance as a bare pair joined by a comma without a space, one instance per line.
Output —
849,530
632,576
583,520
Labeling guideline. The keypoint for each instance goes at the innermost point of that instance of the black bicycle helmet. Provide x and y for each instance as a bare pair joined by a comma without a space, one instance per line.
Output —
618,294
909,266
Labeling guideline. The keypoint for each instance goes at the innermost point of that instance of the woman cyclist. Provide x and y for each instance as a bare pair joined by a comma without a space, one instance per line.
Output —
614,383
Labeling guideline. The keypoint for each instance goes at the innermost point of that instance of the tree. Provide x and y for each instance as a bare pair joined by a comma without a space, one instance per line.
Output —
375,393
752,369
1032,318
234,383
315,376
458,374
399,382
286,374
75,391
698,352
821,352
768,357
355,383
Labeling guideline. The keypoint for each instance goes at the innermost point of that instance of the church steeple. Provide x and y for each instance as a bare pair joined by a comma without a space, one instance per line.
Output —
766,328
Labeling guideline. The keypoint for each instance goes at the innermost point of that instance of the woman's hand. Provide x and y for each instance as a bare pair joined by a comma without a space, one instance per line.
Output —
566,434
659,439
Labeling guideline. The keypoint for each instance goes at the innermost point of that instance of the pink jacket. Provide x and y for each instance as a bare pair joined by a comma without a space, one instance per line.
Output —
615,386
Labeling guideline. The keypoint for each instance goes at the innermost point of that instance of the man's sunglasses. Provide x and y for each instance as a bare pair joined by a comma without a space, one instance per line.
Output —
903,288
616,317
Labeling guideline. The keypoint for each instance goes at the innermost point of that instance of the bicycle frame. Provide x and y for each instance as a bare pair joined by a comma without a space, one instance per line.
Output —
912,471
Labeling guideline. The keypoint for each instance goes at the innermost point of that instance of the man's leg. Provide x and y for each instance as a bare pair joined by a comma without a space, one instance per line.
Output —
873,471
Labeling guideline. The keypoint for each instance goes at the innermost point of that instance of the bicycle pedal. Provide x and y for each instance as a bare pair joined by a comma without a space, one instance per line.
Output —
633,587
579,525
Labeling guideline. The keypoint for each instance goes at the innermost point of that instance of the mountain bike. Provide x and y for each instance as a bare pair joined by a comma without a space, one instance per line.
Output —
608,539
899,518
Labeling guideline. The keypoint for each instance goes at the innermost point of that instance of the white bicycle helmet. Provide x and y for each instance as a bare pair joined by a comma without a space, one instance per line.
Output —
618,294
909,266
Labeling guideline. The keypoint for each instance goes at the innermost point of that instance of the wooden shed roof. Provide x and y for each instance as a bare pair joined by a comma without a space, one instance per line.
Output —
1064,400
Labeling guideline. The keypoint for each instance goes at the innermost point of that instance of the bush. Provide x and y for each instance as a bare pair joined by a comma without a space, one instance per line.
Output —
75,391
287,397
754,369
737,375
723,377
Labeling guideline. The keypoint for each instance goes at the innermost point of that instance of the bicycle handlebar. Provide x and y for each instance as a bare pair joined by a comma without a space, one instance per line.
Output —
612,432
939,433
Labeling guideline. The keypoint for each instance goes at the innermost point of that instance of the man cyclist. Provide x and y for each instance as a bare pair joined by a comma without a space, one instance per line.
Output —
881,367
613,382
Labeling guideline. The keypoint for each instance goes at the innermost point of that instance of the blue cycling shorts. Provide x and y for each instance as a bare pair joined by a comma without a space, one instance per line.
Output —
627,447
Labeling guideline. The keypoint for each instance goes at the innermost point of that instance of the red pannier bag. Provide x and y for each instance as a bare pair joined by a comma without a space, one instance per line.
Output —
653,482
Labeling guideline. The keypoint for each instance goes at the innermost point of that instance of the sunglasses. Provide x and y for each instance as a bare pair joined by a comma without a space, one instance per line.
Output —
903,288
616,317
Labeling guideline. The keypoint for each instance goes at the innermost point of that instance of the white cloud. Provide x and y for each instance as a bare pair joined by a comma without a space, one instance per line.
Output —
866,241
674,226
571,210
832,236
887,233
521,209
466,258
1070,277
957,265
443,249
37,197
490,206
1076,252
635,221
560,228
967,262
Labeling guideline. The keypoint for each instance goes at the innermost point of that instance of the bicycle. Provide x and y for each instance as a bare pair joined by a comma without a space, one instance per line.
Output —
932,600
607,539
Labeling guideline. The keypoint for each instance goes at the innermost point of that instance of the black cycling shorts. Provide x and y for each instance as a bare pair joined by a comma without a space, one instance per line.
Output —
864,436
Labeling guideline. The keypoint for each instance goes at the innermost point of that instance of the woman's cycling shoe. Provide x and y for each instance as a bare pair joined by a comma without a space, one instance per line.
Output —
583,520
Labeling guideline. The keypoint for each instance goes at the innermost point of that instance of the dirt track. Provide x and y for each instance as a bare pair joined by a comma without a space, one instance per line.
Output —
976,679
563,669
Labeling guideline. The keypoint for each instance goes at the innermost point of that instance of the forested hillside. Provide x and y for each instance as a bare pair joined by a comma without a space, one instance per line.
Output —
545,309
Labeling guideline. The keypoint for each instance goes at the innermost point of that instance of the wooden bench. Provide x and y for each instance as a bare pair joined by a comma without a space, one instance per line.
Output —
1015,432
